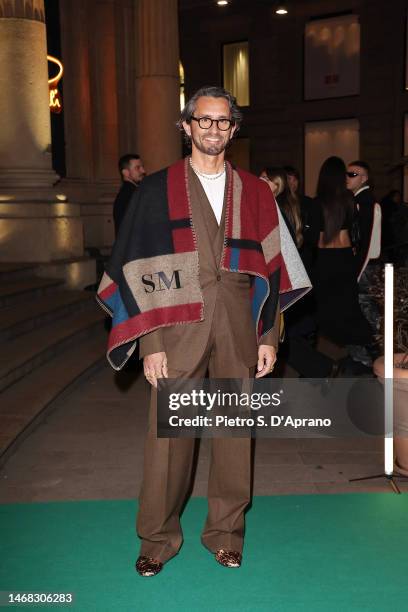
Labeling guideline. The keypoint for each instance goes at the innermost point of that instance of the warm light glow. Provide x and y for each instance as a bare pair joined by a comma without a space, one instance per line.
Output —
55,96
73,275
281,10
61,197
182,93
55,80
236,71
222,2
55,101
62,209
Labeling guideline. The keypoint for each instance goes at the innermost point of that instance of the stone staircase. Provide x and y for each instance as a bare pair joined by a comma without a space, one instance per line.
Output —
51,337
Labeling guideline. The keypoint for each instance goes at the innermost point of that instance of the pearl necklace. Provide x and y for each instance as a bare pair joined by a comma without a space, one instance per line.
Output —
212,177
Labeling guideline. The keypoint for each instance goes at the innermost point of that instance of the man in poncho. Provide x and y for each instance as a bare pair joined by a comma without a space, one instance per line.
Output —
197,274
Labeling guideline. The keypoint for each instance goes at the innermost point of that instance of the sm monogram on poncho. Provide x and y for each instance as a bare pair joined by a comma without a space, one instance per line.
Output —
152,278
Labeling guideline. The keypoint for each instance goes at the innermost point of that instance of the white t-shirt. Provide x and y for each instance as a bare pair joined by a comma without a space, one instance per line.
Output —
214,189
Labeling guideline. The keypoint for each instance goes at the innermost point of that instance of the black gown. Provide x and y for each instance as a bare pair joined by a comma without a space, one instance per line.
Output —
335,288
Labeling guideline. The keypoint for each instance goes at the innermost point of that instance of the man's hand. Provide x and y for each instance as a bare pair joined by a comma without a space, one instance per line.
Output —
266,360
155,366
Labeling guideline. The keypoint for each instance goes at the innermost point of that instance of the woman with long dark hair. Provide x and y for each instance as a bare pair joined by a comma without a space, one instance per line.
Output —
334,274
287,202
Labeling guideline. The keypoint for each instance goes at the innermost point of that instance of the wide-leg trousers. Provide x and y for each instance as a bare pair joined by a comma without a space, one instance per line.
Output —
168,466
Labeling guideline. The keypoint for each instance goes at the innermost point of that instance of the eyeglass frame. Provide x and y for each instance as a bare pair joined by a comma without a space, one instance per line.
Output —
198,119
353,174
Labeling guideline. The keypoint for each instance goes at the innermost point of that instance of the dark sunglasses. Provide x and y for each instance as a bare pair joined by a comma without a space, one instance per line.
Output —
352,174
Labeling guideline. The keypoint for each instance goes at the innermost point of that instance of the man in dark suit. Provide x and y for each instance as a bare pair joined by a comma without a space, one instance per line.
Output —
368,246
132,172
358,181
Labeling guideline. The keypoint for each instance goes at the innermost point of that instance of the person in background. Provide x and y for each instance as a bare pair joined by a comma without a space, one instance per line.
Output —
299,322
132,173
368,213
305,202
293,177
275,178
334,277
366,236
288,203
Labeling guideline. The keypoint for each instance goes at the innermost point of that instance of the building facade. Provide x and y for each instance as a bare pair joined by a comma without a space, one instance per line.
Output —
121,93
278,115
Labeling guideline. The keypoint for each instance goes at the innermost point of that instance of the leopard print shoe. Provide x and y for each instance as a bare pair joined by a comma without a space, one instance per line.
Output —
228,558
146,566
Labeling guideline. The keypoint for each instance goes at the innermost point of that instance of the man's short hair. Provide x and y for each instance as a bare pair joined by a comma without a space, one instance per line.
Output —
364,166
125,160
210,92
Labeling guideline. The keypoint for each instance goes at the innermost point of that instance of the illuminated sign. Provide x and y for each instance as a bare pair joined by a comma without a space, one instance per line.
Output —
55,101
55,96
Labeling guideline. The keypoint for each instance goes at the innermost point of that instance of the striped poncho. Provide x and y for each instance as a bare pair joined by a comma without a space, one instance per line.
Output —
152,278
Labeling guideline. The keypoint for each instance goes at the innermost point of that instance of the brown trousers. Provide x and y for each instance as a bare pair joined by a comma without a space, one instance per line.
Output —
168,466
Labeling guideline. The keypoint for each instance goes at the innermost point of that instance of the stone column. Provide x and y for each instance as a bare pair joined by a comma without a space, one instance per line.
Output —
157,84
97,216
90,91
104,92
89,41
77,90
25,135
126,68
36,222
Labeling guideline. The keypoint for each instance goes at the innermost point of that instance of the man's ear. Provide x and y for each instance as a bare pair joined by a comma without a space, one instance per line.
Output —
187,128
125,174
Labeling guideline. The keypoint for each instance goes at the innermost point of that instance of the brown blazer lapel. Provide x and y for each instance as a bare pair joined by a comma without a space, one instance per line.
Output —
219,239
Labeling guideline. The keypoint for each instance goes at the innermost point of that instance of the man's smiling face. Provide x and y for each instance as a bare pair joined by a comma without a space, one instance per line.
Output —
212,141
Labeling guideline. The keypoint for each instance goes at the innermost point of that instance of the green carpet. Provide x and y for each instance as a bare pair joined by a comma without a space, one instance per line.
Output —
312,553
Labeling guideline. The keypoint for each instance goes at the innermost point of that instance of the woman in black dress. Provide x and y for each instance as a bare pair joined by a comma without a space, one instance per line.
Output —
334,273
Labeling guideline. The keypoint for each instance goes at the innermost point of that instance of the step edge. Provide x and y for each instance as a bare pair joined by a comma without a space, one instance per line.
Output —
36,283
94,366
89,325
78,300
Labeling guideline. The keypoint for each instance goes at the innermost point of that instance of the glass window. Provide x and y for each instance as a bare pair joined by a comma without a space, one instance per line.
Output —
236,71
332,57
323,139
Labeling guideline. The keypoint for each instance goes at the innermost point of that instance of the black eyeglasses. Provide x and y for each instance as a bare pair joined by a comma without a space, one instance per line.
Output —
353,174
206,122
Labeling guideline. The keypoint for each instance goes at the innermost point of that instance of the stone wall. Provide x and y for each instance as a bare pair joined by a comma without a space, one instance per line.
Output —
274,121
